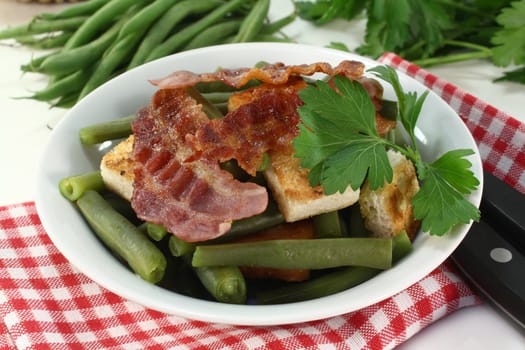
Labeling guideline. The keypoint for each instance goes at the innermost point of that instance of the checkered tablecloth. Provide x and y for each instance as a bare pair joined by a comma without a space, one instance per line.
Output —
46,303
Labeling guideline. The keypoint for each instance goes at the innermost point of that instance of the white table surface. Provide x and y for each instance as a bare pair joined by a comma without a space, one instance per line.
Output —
25,129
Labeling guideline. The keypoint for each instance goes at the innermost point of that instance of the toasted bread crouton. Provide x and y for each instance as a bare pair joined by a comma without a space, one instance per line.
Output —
116,169
388,211
291,189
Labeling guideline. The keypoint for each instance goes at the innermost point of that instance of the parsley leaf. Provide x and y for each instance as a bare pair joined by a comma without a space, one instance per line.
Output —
339,143
510,40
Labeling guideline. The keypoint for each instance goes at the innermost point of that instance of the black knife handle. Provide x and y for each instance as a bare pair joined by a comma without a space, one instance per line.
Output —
496,267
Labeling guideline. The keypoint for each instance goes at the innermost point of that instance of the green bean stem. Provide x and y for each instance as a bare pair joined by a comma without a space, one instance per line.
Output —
122,237
181,38
45,43
299,253
73,187
104,131
332,282
253,22
225,283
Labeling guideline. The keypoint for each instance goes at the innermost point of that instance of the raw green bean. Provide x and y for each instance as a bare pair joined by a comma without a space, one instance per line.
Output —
80,9
42,26
179,247
225,283
45,43
34,64
275,26
181,38
66,101
214,34
332,282
100,20
162,28
81,56
73,187
298,253
106,67
62,87
105,131
253,22
328,225
155,231
122,237
145,17
272,39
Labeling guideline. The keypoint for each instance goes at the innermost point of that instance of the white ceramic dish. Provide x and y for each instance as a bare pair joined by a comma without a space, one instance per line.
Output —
440,129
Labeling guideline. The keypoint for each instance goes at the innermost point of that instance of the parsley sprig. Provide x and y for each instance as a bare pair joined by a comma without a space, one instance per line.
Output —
339,143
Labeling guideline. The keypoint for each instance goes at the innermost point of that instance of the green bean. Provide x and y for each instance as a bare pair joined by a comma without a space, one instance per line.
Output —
42,26
272,39
162,28
64,86
74,10
44,43
332,282
298,253
36,62
328,225
356,224
253,22
105,131
214,34
81,56
225,283
73,187
181,38
145,17
217,97
122,237
207,107
388,109
66,101
100,20
179,247
114,57
275,26
156,231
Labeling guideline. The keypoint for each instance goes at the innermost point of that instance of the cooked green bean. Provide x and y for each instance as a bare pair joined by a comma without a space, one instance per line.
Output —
298,253
181,38
328,225
217,97
179,247
122,237
253,22
41,26
80,9
332,282
100,20
225,283
209,108
105,131
156,231
81,56
214,34
162,28
73,187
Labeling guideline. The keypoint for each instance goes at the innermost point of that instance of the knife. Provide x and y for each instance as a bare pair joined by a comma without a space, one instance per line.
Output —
492,255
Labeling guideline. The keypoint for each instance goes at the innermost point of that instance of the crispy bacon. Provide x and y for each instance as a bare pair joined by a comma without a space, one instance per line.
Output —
277,73
267,121
191,196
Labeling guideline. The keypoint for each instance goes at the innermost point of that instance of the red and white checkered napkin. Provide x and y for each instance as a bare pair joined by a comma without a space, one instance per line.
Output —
46,303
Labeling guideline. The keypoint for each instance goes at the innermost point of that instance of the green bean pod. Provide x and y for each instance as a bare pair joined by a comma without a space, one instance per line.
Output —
328,225
84,8
122,237
162,28
42,26
298,253
214,34
156,231
181,38
105,131
179,247
73,187
253,22
145,17
62,87
225,283
44,43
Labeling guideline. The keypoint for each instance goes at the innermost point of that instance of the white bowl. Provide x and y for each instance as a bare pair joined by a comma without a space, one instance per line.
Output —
440,129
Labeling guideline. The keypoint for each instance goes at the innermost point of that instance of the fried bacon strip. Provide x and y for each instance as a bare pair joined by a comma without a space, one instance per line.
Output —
277,73
191,196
